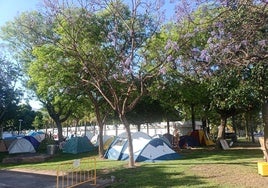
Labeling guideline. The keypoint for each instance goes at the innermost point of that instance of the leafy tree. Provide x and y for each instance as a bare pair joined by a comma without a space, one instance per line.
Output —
184,81
51,82
243,52
38,122
216,49
146,111
27,115
9,95
27,36
112,53
231,94
23,35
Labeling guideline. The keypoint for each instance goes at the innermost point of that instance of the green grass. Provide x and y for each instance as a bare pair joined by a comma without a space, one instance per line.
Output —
176,173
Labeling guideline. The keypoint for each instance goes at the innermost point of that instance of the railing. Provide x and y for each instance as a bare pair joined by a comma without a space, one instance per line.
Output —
80,171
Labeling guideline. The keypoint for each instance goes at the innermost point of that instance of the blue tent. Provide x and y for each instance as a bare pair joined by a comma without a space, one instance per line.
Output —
118,150
114,151
76,145
38,135
33,141
188,141
157,150
144,148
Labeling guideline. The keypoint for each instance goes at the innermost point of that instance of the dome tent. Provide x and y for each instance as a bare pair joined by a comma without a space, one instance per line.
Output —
144,148
33,141
118,149
21,145
157,150
38,135
78,144
139,140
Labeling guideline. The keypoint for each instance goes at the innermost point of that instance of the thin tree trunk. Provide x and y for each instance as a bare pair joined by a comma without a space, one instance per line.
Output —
265,120
168,126
130,145
101,124
221,130
139,127
247,135
193,116
60,136
251,124
100,139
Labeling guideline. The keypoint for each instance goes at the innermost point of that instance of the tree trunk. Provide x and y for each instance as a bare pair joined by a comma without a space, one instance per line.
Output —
246,127
130,145
251,125
59,127
193,116
168,126
100,139
221,130
100,122
139,127
265,120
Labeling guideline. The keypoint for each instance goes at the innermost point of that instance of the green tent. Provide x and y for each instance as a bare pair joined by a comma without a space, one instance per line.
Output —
78,145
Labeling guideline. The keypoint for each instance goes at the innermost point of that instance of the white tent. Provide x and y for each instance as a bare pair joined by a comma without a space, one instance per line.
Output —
144,148
21,145
139,140
39,135
118,150
95,140
157,150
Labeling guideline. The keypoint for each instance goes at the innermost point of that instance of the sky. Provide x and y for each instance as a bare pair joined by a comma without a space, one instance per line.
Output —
9,9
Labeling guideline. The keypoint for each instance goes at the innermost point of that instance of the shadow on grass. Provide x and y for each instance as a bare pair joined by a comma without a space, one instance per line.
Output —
160,174
53,160
178,174
157,176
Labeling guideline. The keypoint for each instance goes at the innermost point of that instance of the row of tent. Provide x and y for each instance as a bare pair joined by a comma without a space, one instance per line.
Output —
145,147
24,144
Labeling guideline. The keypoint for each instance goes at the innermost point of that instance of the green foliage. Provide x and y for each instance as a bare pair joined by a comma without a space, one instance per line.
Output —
38,122
233,92
9,95
146,111
43,145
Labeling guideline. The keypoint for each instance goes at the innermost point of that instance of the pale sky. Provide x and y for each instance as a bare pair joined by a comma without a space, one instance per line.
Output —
11,8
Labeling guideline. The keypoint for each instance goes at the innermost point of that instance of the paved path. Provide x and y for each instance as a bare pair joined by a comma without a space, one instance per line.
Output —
14,179
19,178
29,178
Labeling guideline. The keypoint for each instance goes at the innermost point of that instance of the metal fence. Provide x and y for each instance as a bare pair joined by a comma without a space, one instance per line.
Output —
80,171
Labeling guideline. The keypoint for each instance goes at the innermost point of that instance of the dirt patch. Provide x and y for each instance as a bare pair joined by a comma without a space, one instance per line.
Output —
233,174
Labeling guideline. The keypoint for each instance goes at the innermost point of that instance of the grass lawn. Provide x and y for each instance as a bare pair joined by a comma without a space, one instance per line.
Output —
198,167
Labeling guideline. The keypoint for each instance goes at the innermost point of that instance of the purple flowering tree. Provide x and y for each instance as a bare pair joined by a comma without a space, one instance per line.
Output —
108,41
213,48
234,50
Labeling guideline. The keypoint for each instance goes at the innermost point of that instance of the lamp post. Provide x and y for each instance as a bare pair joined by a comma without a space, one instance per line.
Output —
20,120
